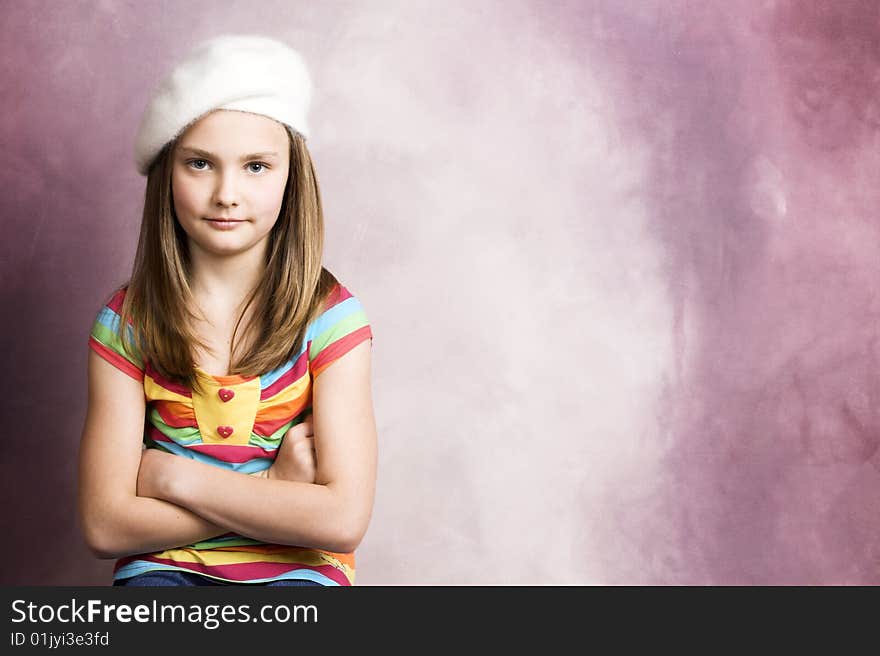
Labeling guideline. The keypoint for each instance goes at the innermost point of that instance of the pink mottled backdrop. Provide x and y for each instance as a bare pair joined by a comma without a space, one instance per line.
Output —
620,259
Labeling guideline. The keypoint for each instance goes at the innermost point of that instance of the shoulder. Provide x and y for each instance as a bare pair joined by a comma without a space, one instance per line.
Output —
342,325
110,311
105,338
116,298
338,293
339,304
111,305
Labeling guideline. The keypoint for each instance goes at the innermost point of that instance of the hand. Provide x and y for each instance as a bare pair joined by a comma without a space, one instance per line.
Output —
155,473
295,460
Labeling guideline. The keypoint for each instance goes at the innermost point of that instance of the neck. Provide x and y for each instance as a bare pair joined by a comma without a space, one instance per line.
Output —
226,281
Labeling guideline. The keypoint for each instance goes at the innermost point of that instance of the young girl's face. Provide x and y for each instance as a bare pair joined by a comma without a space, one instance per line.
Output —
230,165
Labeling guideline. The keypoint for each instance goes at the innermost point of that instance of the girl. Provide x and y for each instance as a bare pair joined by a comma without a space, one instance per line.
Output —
208,458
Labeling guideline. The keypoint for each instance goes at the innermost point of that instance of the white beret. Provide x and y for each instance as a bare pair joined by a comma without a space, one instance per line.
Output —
248,73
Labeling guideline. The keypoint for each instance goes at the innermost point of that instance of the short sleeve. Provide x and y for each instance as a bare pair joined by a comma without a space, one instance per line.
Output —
104,339
342,326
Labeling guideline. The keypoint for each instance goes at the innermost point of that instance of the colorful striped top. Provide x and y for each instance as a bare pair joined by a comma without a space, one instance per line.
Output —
252,415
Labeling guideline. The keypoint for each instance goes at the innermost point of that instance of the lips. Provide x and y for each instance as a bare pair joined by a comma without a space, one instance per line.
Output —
224,224
220,219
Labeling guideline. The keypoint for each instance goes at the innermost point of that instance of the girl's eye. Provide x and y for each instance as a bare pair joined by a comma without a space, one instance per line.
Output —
196,164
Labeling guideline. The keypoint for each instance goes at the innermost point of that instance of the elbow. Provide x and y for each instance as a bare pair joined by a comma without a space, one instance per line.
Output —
101,537
354,510
350,534
345,544
336,538
100,544
103,554
344,520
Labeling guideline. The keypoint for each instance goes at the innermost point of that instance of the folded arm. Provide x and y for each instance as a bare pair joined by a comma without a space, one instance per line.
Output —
116,522
136,502
332,513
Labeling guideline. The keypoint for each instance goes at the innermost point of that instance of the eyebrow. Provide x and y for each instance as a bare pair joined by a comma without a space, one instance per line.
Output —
205,153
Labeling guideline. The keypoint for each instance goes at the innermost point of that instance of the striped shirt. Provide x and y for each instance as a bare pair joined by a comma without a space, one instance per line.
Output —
237,423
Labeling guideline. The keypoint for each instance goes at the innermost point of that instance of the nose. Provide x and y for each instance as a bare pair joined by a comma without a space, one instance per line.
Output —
226,191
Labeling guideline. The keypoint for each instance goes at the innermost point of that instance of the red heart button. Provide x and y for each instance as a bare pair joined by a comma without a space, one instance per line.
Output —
225,431
226,394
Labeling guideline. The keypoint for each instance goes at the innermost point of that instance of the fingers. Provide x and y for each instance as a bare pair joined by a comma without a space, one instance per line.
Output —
298,442
303,428
304,445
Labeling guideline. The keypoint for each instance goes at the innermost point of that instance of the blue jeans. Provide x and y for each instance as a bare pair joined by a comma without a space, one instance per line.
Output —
174,577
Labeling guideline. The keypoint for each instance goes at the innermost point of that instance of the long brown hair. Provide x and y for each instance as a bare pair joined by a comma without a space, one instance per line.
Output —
159,301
